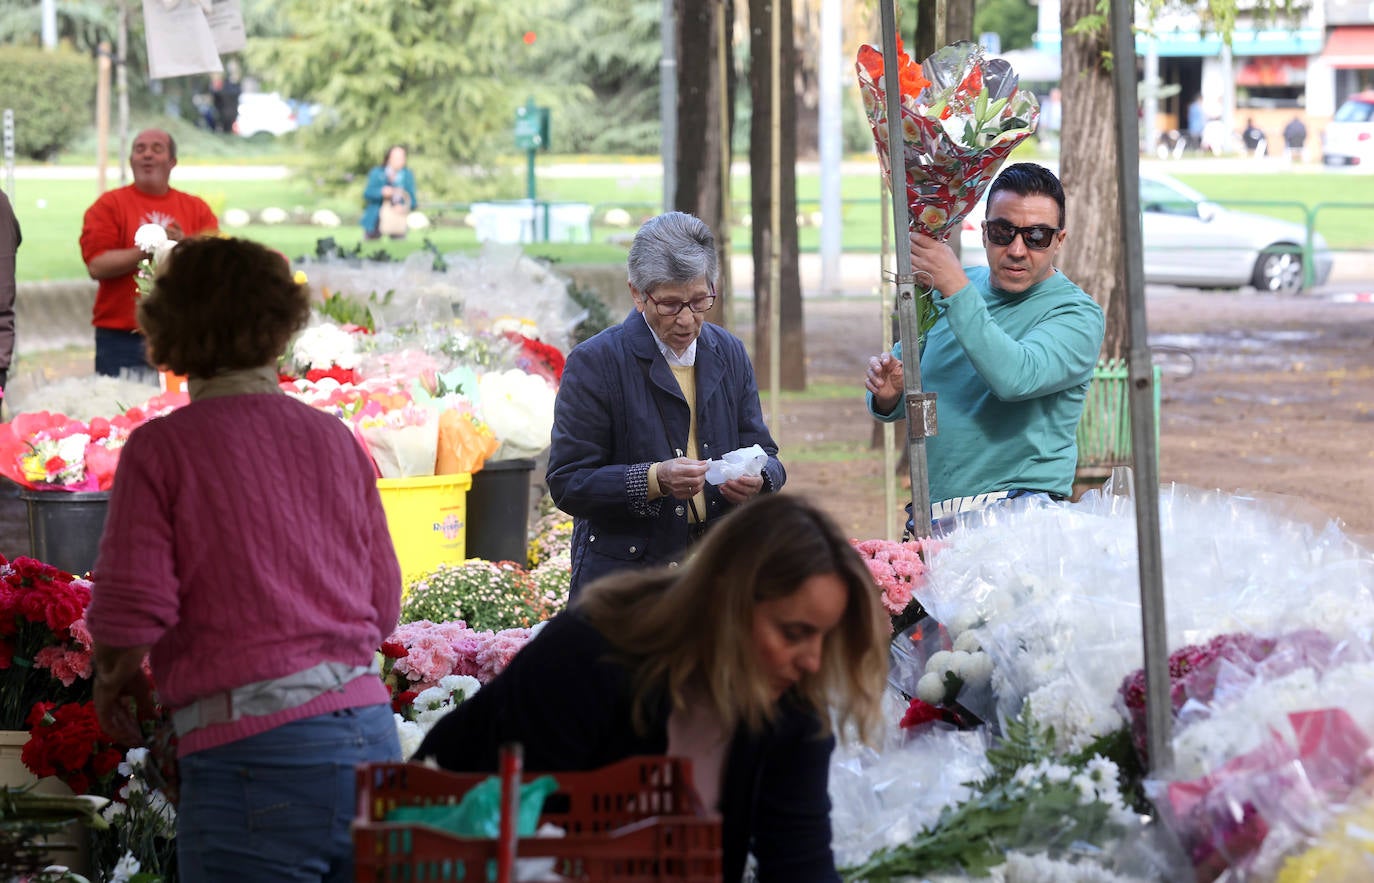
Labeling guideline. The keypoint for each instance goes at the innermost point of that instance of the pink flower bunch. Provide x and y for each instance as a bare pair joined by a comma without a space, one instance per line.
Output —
419,654
1193,670
898,569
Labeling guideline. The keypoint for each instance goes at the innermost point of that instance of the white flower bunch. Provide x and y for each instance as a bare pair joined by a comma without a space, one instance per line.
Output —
152,240
437,701
322,346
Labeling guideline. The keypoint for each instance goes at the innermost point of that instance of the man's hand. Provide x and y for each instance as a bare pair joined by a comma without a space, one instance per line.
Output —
737,490
682,477
174,232
885,380
937,260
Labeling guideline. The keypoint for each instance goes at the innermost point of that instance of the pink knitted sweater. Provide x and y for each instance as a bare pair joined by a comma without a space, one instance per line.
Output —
245,541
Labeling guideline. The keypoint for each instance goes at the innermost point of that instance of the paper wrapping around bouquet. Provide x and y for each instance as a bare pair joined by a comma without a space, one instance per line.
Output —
955,134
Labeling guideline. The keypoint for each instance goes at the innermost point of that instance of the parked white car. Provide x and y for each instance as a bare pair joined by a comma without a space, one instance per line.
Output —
264,112
1192,242
1349,137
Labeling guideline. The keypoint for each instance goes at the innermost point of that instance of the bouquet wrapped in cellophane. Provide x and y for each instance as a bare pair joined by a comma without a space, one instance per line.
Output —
962,114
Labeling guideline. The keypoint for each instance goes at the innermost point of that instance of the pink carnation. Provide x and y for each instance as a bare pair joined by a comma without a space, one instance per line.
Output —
500,648
68,666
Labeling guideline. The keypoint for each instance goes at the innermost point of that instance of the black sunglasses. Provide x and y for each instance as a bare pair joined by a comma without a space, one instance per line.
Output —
1036,236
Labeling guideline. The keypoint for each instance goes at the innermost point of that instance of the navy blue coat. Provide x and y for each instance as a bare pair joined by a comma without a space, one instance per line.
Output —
620,410
567,700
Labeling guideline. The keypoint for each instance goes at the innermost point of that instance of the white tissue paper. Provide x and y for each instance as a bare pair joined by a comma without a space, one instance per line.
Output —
744,461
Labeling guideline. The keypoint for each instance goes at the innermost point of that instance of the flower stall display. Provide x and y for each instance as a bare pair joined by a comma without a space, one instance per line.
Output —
962,114
1271,624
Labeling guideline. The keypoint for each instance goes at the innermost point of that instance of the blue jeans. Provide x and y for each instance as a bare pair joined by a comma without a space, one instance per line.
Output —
277,806
116,350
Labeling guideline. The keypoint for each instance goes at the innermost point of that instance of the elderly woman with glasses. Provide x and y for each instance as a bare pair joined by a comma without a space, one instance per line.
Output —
645,404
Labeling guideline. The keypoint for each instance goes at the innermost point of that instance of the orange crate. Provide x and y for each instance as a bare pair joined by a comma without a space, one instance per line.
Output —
636,821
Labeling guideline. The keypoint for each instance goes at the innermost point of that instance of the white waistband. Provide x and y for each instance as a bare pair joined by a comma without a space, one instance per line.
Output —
267,697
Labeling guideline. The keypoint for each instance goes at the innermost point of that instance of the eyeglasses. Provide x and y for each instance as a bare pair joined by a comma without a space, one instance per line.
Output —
1036,236
673,307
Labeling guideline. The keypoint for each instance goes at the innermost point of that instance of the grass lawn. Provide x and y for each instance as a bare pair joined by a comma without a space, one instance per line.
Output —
51,212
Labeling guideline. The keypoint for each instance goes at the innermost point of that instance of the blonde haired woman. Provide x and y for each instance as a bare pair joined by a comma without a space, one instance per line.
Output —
736,661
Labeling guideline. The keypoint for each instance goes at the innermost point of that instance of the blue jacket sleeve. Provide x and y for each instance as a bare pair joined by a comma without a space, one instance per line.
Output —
583,477
376,180
899,409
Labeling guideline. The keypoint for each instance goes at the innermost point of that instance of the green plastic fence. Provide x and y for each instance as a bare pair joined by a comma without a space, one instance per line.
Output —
1104,430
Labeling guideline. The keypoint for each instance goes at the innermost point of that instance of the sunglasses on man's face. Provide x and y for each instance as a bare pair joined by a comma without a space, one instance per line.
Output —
1036,236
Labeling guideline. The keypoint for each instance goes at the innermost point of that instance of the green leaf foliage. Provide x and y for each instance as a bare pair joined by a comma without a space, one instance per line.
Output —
442,78
50,93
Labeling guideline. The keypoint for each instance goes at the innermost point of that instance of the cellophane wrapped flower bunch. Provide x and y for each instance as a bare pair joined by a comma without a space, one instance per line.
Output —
962,114
898,569
50,451
153,241
45,648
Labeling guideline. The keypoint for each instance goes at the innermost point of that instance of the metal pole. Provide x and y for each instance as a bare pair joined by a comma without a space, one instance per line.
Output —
1143,441
48,25
775,214
831,149
920,406
889,429
7,144
102,114
723,101
122,90
667,104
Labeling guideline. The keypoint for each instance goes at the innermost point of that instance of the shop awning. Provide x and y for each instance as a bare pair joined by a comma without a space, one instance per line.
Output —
1348,47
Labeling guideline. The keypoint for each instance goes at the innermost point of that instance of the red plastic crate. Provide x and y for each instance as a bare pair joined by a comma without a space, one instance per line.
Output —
636,821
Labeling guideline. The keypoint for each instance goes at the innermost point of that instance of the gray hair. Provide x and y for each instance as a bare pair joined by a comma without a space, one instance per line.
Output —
672,248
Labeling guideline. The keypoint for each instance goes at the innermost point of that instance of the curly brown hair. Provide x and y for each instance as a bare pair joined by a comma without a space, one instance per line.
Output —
221,304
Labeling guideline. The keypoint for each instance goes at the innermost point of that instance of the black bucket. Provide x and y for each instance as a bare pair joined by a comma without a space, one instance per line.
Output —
499,511
65,529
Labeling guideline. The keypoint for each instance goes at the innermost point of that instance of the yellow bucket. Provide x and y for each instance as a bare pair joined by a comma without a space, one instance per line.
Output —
427,517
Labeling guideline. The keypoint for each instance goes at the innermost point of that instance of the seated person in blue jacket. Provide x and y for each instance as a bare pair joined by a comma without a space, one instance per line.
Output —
739,661
1009,358
644,405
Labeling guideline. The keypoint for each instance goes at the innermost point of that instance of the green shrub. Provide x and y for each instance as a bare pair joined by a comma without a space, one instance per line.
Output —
51,95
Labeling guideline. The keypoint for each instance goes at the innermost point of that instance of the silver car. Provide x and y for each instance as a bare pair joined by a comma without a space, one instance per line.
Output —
1192,242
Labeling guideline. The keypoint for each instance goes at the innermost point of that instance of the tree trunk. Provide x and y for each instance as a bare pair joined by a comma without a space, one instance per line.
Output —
792,340
700,156
1093,255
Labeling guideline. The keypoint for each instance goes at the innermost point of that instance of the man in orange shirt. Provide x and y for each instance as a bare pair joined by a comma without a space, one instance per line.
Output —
107,245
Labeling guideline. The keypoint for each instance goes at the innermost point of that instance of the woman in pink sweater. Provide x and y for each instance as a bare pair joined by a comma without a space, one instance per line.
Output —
246,555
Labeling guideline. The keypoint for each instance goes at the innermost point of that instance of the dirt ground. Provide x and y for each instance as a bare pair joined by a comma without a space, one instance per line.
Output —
1261,394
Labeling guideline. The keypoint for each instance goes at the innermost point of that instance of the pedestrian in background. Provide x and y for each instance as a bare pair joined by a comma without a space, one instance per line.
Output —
1294,138
388,197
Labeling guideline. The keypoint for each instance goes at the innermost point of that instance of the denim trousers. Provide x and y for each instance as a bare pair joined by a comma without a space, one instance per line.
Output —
277,806
117,350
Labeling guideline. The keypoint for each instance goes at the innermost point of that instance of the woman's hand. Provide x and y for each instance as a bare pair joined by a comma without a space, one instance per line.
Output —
885,380
682,477
737,490
386,191
122,693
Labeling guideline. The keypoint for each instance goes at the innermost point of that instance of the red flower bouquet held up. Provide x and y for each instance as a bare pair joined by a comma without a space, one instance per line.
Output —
962,113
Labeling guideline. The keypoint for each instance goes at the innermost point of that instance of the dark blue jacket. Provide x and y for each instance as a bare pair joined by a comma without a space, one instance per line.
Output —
567,701
620,410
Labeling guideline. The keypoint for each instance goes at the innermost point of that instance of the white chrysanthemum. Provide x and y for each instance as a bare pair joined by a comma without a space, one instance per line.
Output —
323,345
417,221
617,217
237,217
149,237
519,324
324,218
125,868
273,215
410,735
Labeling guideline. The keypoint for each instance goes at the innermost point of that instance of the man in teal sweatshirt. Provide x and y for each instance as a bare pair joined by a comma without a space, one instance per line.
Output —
1010,357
